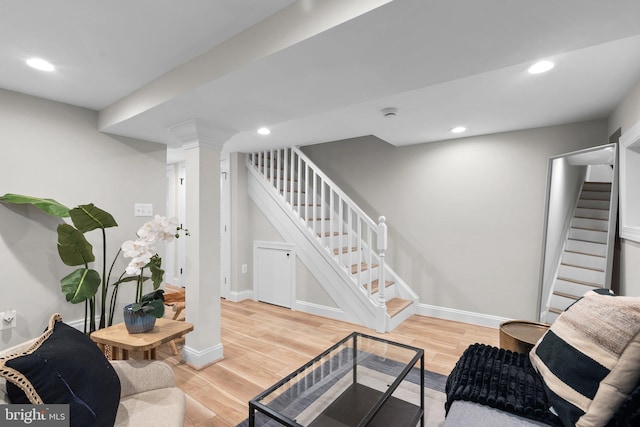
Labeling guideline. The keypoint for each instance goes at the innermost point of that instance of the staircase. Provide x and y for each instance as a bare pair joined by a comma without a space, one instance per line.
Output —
341,246
586,257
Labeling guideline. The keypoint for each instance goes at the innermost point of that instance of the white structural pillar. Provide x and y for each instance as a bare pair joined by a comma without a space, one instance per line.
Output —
203,345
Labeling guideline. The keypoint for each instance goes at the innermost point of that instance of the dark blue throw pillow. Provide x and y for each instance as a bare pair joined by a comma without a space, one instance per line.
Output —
65,368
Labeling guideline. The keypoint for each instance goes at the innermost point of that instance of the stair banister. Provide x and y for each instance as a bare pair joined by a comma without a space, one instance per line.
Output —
334,187
345,232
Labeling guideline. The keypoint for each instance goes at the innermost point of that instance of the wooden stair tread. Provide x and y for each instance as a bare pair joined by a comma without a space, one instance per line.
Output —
585,253
583,267
344,250
586,241
396,305
329,234
555,310
363,267
580,282
566,295
588,229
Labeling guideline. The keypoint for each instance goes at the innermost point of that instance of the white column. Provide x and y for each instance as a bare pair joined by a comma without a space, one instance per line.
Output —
203,346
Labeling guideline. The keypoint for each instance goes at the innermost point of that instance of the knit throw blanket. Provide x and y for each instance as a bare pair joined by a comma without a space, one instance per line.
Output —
501,379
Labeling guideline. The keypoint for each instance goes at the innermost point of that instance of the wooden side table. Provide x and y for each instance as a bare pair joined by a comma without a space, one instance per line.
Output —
122,342
521,335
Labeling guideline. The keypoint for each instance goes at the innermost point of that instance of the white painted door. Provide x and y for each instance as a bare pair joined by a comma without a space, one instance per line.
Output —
274,272
175,252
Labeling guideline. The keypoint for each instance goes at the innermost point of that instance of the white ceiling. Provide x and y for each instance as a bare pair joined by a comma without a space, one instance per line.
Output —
322,70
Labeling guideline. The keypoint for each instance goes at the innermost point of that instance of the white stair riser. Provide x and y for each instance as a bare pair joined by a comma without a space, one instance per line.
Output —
313,212
572,288
595,195
592,213
581,274
561,303
593,204
333,241
351,257
365,273
597,186
329,227
588,235
587,247
591,224
295,197
389,291
583,260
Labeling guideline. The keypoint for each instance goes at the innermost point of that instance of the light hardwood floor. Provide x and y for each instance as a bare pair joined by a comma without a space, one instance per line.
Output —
263,343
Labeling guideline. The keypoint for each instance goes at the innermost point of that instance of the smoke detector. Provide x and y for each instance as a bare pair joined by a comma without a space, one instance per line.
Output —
390,112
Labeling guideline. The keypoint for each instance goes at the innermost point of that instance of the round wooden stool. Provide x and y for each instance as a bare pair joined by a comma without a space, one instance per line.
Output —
521,335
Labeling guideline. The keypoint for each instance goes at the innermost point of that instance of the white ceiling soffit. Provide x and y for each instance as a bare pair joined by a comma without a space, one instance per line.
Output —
322,70
105,50
441,63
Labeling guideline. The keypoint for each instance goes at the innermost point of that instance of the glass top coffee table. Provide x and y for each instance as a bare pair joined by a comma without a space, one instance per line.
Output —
360,381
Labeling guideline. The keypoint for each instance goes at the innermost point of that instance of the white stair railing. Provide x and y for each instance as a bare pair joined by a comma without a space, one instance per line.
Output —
336,222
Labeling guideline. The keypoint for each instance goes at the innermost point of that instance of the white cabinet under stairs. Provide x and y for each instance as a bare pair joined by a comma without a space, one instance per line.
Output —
586,256
338,243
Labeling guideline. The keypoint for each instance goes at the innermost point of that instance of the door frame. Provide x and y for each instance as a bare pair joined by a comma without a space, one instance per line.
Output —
225,227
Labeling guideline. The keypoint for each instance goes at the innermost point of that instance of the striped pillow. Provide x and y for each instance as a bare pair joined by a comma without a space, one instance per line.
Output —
589,359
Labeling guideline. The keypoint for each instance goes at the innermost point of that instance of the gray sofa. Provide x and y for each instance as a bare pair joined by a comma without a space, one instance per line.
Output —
585,371
463,414
148,394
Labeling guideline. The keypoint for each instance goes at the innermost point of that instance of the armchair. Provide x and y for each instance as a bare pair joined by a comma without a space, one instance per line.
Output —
148,395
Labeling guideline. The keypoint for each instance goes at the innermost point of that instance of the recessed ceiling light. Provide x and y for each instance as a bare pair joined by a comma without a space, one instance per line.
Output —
40,64
541,67
264,131
458,129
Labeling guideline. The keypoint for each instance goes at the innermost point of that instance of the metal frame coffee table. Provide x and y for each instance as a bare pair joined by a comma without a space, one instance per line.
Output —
359,381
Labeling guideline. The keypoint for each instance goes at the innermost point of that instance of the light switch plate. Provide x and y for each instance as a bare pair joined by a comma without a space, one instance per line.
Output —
143,209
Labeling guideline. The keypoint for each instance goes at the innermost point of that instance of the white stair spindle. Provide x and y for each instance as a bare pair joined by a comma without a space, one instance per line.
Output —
382,248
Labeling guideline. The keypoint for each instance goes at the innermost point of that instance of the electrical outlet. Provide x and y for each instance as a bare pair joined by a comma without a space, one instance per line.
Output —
143,209
244,268
8,319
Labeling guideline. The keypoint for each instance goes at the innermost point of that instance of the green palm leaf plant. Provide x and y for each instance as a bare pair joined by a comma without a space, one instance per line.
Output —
84,283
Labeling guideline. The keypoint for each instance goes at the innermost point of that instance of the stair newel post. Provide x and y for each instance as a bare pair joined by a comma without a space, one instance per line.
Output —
382,248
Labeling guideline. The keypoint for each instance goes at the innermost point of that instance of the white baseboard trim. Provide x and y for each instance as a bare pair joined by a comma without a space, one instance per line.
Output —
421,310
460,315
79,323
201,358
322,310
240,296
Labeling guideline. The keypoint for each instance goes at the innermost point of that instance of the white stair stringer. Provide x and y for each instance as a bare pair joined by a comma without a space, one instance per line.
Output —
328,247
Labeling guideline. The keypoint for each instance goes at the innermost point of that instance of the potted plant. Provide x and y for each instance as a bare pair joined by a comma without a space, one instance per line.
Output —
83,284
140,316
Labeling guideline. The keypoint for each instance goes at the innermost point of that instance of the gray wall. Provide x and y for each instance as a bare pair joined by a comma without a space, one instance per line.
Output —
54,150
465,216
624,117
